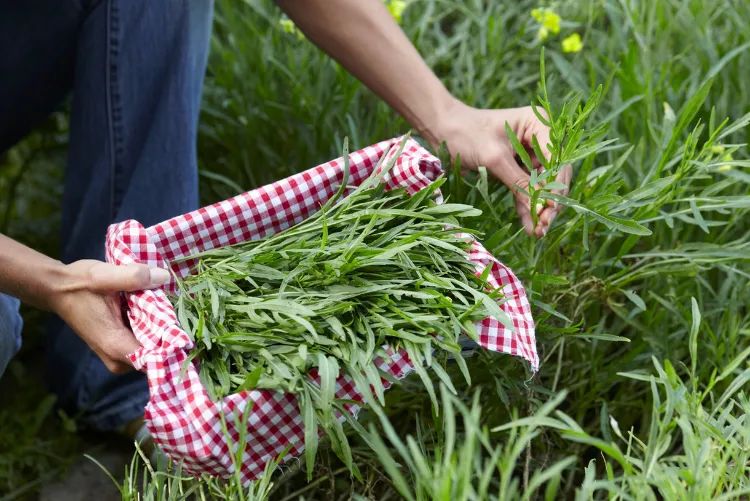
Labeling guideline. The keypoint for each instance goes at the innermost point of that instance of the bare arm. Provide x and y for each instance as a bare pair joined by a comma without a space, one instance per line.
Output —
83,293
29,275
364,38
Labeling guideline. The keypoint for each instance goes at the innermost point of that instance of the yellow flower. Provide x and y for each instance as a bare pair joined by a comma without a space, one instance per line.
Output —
543,33
289,27
572,43
396,8
549,20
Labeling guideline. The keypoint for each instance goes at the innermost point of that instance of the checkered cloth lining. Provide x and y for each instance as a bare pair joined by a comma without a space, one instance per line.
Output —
183,420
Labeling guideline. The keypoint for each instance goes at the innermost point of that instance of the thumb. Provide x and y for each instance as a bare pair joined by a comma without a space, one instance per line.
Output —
106,277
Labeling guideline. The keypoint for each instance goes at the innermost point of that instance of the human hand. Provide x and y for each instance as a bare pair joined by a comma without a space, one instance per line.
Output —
478,136
88,300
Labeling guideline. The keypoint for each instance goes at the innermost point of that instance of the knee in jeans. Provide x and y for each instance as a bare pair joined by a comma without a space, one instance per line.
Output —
10,329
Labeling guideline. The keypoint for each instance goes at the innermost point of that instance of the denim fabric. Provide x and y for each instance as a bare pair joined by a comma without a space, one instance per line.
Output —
136,71
10,330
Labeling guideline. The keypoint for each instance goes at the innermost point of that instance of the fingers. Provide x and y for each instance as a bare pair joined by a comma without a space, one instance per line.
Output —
532,127
105,277
522,207
106,332
119,343
529,127
97,319
505,168
553,208
565,176
541,132
90,304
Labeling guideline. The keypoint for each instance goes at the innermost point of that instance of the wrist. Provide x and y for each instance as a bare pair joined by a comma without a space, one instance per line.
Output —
34,278
58,281
442,121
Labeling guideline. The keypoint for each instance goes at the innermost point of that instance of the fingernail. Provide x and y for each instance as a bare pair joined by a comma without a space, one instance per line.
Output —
159,276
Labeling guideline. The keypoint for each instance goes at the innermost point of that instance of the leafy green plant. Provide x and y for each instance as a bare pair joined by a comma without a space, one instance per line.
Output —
461,460
34,446
696,446
146,481
570,142
373,269
156,478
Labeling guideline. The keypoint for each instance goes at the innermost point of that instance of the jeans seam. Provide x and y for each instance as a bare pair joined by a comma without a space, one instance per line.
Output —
114,108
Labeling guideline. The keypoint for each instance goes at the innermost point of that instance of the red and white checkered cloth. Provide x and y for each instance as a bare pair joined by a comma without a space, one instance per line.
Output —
184,421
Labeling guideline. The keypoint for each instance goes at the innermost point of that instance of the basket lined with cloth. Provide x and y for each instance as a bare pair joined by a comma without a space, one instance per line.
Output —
184,421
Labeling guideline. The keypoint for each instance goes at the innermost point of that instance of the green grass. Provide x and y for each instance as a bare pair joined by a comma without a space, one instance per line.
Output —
642,393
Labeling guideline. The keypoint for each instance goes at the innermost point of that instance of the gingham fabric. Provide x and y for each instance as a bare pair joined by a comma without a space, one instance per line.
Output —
185,423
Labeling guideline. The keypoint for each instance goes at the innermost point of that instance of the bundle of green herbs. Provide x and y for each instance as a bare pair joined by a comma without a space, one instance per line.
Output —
372,269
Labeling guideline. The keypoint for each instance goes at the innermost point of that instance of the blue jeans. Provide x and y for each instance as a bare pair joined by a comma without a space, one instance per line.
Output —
10,329
135,69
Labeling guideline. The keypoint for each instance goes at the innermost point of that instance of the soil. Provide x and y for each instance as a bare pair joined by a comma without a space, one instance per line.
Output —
85,480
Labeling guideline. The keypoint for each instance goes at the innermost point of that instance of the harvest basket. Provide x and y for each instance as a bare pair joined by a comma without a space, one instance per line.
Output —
183,420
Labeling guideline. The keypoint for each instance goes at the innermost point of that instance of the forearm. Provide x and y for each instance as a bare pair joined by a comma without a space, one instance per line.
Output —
29,275
364,38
